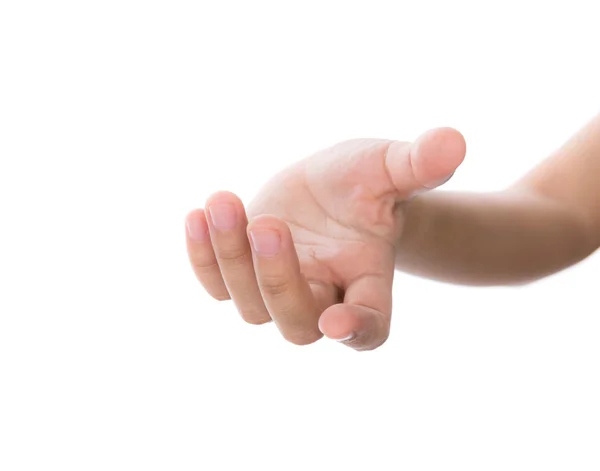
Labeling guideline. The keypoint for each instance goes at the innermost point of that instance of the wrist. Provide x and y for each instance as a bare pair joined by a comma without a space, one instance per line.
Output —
416,222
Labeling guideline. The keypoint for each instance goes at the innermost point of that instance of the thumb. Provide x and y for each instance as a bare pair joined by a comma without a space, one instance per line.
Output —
428,162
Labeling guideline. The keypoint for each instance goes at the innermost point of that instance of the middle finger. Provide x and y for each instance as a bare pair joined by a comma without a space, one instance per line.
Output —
227,223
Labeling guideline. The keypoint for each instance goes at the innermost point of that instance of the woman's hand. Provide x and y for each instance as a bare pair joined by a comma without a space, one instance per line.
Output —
317,256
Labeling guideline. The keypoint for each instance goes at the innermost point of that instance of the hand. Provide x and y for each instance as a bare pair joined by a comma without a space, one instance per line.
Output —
318,254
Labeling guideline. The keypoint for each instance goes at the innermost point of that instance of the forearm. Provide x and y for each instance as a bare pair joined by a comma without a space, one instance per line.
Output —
547,221
509,237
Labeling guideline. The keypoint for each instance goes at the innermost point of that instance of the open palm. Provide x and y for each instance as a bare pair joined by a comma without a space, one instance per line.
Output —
318,254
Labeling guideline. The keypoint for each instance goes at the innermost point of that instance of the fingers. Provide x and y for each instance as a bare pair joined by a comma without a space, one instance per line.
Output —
286,294
363,321
264,283
428,162
264,279
227,227
220,254
202,256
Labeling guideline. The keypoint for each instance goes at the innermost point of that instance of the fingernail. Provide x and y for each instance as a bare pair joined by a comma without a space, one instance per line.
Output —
197,228
265,243
345,339
223,216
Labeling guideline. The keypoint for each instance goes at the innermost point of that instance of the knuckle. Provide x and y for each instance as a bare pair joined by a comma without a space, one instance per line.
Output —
233,255
274,285
202,267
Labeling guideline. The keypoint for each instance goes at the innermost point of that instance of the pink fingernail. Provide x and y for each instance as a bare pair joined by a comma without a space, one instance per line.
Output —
197,228
265,243
223,215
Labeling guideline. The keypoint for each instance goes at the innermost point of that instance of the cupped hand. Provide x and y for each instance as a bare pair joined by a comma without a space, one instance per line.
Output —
315,249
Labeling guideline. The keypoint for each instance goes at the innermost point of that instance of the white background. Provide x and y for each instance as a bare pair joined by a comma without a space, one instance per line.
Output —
118,117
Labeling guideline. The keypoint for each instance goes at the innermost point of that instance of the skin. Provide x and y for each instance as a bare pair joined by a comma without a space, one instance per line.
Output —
326,234
545,222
